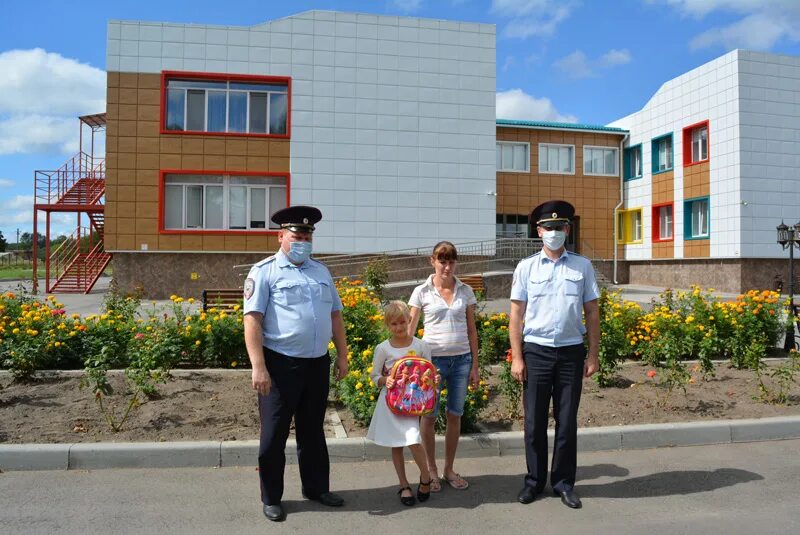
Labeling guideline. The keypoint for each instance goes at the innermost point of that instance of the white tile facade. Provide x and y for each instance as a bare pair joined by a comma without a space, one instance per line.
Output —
752,103
393,118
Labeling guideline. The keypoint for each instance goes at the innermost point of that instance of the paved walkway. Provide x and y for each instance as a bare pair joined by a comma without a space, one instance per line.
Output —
739,488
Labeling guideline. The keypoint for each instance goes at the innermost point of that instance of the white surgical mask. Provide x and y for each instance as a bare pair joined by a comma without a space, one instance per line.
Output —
554,239
299,251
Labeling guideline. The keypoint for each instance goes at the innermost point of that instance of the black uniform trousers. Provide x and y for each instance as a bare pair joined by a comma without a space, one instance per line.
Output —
555,372
299,389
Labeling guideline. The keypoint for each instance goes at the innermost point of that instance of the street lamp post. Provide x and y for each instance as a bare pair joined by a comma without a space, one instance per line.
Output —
790,237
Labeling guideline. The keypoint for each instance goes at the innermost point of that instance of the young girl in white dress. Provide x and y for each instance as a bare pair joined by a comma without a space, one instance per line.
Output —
387,428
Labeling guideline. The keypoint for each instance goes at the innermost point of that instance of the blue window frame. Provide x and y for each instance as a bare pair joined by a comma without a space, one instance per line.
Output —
663,153
697,218
632,157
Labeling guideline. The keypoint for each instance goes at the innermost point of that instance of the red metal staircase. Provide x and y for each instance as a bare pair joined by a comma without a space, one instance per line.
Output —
76,187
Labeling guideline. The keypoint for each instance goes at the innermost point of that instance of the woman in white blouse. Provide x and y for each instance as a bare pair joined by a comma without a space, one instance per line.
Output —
448,307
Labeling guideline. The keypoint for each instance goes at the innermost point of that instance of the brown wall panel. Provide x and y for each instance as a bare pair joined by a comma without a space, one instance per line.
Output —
594,197
136,151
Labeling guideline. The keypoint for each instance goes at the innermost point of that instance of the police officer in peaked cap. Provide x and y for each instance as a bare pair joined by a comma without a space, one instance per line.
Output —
291,312
551,293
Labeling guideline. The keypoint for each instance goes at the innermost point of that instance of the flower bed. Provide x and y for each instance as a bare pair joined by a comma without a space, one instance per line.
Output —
40,334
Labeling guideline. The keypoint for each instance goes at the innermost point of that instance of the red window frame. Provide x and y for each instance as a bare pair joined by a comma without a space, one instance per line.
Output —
222,77
161,186
687,143
657,223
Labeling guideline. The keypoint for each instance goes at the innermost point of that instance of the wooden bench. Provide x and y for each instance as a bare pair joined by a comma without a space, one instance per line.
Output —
475,282
224,298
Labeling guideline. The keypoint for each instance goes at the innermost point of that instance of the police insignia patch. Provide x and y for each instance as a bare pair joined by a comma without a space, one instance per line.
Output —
249,288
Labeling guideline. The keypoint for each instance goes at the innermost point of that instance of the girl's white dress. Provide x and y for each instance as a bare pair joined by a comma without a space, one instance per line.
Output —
386,428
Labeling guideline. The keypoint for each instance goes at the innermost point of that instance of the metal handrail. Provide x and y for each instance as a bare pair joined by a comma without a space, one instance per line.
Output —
51,186
477,256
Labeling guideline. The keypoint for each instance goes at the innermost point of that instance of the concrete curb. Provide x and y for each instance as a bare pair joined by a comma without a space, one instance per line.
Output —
245,453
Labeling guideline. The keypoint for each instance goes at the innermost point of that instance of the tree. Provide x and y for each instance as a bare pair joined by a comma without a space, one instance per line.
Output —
3,242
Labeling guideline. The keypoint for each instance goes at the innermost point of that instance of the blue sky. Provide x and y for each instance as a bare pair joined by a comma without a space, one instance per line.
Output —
590,61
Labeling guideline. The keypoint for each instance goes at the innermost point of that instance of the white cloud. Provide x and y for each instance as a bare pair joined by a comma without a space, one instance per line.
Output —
757,32
516,104
18,210
35,81
6,183
577,65
407,6
41,96
508,63
615,57
531,18
38,134
764,23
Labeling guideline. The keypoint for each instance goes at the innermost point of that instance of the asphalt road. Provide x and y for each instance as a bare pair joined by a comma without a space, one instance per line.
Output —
730,489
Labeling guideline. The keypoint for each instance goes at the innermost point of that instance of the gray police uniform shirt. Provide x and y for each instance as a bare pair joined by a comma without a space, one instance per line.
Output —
555,293
296,302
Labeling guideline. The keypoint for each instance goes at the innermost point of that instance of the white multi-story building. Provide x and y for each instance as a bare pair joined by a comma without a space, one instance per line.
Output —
710,169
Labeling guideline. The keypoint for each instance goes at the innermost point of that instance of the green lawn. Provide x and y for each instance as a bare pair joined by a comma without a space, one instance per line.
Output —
12,273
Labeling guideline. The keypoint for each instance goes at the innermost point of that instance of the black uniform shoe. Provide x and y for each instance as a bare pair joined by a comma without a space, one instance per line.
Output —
326,498
527,495
569,498
275,513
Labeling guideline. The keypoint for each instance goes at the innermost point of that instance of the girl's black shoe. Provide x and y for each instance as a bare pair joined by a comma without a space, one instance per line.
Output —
406,500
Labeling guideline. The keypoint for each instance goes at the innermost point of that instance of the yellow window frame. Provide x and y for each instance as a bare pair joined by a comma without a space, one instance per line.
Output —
630,226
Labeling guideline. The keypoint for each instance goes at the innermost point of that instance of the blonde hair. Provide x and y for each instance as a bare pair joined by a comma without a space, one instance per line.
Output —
395,310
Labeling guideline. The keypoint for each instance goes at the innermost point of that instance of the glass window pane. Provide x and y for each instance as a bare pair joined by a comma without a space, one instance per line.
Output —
665,222
587,160
704,144
638,159
237,112
176,102
173,207
565,159
507,156
237,207
216,111
194,206
610,166
258,113
214,218
520,157
196,84
258,207
552,159
277,200
499,156
196,110
668,144
247,86
277,113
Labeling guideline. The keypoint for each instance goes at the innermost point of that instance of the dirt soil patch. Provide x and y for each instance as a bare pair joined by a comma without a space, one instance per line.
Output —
212,405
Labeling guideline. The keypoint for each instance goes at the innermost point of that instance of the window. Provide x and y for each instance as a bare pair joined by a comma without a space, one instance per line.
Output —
222,202
600,161
512,226
695,143
513,156
696,213
662,153
557,159
227,105
633,162
629,226
662,223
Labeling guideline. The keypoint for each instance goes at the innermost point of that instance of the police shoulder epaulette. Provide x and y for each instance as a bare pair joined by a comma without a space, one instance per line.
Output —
265,261
532,256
